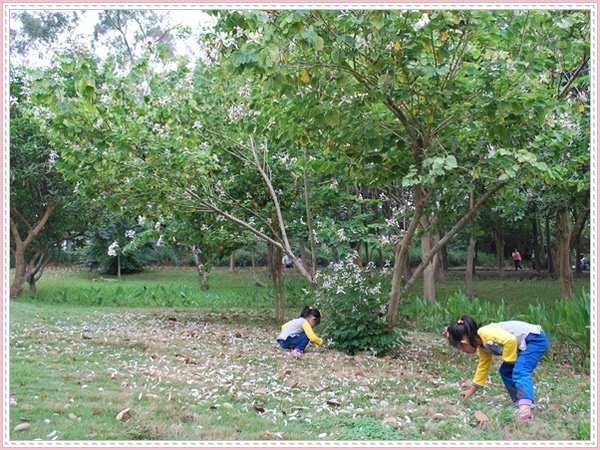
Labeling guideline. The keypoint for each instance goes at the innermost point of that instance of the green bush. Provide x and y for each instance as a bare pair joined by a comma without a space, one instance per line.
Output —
435,316
353,308
567,322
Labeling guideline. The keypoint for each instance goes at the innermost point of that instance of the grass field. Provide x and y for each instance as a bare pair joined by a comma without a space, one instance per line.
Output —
204,367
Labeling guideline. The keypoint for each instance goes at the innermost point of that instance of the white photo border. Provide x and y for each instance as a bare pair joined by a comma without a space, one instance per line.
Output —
594,245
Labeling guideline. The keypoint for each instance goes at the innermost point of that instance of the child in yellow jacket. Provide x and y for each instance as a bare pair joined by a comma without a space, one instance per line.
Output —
297,333
521,346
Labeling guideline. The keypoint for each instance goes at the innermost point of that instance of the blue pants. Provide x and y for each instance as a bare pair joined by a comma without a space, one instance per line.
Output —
299,342
517,377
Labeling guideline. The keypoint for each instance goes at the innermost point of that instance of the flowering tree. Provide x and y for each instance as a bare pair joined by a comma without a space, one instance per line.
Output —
459,91
44,207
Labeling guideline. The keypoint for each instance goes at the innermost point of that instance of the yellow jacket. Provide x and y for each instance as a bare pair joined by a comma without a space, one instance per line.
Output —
295,327
496,341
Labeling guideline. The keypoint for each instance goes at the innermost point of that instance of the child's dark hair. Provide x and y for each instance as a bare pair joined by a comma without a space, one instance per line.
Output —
463,327
310,311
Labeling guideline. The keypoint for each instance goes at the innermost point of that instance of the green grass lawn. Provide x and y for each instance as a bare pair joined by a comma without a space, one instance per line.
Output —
204,367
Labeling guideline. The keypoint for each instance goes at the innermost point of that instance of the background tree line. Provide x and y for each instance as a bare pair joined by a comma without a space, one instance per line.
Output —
320,134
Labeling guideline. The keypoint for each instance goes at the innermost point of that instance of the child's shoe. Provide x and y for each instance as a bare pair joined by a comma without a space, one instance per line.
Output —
524,413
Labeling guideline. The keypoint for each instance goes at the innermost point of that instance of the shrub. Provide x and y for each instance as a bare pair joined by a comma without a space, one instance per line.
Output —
354,308
567,322
435,316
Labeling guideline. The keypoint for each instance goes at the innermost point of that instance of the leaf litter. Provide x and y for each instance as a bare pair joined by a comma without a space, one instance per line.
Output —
162,357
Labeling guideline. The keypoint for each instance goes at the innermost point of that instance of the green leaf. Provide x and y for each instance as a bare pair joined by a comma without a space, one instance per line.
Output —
332,118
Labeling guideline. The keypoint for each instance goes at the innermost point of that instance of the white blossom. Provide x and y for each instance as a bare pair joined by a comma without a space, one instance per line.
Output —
130,234
112,249
254,37
141,220
225,40
245,91
52,156
424,20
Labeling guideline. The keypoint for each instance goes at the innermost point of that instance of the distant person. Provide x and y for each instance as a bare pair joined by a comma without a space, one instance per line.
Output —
532,260
516,256
287,261
582,262
297,333
521,346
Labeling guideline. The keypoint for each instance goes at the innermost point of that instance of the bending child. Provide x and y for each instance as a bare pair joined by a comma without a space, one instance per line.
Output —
521,346
297,333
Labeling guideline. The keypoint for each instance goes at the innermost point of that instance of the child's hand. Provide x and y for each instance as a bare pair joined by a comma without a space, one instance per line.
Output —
468,392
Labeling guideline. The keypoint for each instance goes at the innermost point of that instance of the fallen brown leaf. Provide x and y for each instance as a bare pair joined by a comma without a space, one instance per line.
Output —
298,408
481,418
123,415
278,435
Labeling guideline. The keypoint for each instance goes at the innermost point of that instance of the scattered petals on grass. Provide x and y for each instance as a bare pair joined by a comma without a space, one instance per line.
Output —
213,373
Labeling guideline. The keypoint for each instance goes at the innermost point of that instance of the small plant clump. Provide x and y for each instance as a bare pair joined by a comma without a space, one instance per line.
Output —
354,308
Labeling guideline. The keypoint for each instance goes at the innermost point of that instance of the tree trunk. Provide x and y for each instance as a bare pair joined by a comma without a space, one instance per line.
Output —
499,240
311,232
303,259
402,251
429,272
119,265
401,260
31,282
563,261
202,278
270,251
580,221
20,245
19,279
438,261
470,270
536,261
232,262
278,291
444,263
549,246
